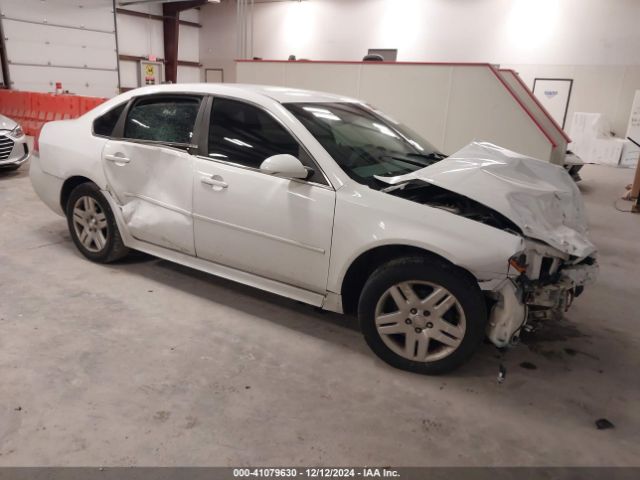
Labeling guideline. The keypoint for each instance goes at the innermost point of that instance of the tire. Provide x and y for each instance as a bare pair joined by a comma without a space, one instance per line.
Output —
102,242
450,317
9,168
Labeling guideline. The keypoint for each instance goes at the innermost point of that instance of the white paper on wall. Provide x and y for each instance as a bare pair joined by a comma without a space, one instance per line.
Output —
606,151
633,130
630,155
592,141
584,129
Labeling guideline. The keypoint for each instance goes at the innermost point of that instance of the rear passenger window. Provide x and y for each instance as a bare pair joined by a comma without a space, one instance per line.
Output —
105,124
163,119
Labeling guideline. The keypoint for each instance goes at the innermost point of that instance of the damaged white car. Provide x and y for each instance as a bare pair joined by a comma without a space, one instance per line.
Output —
327,201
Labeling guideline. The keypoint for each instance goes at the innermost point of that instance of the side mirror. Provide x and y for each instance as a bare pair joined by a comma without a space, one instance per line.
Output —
284,165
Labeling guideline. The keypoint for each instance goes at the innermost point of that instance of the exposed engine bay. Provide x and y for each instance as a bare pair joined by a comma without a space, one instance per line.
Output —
434,196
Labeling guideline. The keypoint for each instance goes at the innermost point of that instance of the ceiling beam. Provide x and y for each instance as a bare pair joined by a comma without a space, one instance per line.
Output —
148,2
137,58
133,13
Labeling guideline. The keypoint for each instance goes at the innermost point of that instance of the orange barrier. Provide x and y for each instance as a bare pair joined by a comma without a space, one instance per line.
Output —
32,110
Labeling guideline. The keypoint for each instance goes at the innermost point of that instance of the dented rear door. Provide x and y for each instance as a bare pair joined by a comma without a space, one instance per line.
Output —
153,185
150,170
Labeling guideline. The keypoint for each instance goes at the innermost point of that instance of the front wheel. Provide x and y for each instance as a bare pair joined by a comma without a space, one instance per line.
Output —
422,315
92,225
10,168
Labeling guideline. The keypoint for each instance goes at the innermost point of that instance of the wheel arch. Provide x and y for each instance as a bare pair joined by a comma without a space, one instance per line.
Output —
367,262
68,186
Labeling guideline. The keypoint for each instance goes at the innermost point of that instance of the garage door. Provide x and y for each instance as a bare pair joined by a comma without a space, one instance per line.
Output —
68,41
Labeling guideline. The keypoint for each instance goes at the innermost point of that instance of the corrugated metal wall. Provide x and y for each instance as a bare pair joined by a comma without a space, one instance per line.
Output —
74,42
68,41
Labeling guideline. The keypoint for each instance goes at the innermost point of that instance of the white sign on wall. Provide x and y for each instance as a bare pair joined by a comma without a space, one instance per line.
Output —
554,95
633,130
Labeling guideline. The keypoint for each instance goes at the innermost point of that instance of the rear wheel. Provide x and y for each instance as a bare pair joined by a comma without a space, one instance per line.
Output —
92,225
422,315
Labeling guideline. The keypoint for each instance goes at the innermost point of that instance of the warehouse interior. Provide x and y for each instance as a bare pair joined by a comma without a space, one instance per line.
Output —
147,362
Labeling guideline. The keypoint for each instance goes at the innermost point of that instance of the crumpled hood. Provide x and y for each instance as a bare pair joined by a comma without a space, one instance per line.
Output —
6,123
539,197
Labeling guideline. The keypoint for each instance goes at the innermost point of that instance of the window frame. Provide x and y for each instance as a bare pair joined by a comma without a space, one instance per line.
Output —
124,104
192,148
203,146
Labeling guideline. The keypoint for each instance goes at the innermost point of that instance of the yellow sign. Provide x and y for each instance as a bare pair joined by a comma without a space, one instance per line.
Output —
149,70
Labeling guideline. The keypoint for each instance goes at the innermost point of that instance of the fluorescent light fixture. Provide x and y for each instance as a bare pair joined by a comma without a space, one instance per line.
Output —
138,122
415,144
532,23
322,113
385,130
299,26
238,142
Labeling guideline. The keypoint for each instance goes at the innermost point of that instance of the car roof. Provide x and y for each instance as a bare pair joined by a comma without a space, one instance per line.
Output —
279,94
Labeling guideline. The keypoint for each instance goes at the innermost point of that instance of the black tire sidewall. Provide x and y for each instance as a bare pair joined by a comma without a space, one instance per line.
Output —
92,190
10,168
463,288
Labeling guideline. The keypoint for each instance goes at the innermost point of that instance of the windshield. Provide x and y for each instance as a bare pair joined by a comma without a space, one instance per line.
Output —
363,142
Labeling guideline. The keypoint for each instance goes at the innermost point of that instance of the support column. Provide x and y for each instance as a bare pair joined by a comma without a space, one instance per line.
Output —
171,31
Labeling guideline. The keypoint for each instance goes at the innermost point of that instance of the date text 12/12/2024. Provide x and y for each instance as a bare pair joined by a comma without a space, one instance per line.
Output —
364,472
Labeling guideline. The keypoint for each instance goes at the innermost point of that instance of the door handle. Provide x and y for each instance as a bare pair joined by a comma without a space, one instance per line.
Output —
117,158
214,182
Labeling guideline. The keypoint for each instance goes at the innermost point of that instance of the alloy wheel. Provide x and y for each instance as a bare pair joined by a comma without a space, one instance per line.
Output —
90,224
420,321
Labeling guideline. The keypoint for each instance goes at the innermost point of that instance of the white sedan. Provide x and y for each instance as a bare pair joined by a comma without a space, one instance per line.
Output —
327,201
14,150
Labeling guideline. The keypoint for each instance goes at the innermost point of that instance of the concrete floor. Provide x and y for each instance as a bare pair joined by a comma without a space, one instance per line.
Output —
149,363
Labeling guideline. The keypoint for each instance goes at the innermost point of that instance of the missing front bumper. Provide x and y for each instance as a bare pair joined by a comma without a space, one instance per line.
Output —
552,300
508,315
518,301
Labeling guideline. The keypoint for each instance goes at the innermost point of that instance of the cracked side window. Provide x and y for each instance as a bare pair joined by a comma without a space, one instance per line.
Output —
162,119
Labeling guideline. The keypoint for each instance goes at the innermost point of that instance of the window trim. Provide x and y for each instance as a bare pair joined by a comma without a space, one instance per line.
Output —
192,148
204,142
93,123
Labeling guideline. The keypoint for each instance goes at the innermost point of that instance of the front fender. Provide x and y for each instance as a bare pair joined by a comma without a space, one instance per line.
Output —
366,219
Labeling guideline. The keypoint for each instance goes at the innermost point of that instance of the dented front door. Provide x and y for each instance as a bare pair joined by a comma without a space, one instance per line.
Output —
153,184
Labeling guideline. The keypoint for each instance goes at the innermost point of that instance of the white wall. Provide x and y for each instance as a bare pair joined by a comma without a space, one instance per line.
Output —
593,41
218,37
564,32
448,105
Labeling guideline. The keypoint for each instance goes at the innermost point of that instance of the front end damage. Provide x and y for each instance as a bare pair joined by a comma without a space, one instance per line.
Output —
541,285
532,199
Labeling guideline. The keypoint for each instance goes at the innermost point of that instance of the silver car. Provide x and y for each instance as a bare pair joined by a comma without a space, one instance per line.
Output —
14,150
